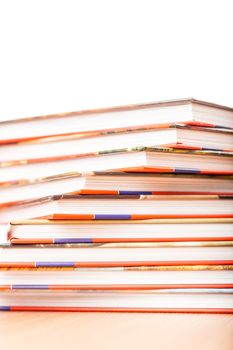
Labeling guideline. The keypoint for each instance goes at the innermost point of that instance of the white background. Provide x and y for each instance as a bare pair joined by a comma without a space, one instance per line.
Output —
66,55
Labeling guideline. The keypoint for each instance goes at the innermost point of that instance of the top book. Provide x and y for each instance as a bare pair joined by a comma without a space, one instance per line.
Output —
158,114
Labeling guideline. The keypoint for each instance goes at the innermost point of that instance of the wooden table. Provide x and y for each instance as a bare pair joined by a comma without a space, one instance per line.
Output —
115,331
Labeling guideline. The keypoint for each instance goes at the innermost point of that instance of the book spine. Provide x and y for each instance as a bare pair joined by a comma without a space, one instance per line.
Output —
62,216
122,310
167,241
112,263
116,287
129,268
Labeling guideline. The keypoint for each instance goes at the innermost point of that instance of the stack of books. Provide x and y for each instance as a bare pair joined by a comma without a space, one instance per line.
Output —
119,209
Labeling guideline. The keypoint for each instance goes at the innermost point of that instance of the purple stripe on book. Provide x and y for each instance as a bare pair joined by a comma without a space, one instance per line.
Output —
72,240
5,308
30,286
222,127
112,217
55,264
135,193
212,149
186,171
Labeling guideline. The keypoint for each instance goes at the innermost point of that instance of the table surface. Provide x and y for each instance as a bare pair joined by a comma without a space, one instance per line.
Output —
114,331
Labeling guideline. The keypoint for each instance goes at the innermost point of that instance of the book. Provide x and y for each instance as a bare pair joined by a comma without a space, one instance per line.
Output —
123,160
117,301
186,111
128,207
119,183
110,279
100,256
122,183
169,230
176,137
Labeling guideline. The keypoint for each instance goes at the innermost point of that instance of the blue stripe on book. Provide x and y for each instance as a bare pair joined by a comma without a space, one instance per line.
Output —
135,193
5,308
72,240
112,217
30,286
54,264
186,171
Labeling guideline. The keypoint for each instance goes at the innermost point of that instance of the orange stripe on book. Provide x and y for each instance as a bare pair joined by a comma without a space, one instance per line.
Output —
111,309
162,239
220,172
230,194
182,146
17,264
151,263
71,216
199,123
5,287
136,286
181,216
31,241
